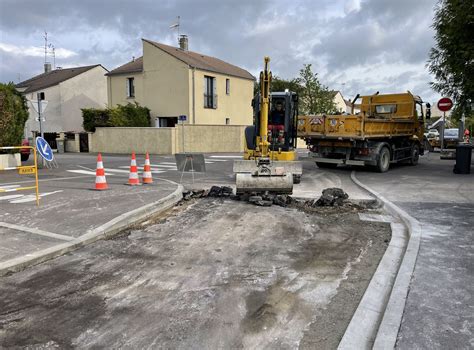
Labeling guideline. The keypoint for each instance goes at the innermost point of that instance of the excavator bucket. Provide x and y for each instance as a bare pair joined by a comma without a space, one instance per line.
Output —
264,175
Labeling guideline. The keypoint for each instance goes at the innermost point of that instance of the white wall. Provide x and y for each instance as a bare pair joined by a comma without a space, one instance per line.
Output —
65,100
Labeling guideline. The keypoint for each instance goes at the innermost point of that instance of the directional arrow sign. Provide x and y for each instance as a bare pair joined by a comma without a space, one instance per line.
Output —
34,103
44,149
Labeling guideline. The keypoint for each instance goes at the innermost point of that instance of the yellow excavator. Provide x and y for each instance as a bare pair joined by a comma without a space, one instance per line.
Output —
270,158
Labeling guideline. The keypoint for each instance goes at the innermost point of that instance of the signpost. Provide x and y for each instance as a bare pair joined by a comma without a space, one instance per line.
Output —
444,105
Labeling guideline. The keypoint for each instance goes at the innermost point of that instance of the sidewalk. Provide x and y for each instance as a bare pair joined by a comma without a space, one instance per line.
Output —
69,210
438,313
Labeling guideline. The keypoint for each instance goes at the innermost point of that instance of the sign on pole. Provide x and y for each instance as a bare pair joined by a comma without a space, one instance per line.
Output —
44,149
445,104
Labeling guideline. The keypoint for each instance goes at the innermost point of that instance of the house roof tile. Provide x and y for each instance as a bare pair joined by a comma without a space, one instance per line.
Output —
193,59
45,80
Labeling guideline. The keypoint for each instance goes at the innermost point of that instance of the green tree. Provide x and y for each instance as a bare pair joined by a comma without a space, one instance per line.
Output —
13,115
315,98
451,61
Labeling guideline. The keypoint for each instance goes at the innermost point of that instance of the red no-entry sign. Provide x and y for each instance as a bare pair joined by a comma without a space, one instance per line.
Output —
445,104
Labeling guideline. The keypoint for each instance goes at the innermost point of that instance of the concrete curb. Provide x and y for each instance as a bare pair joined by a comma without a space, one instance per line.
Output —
108,229
384,332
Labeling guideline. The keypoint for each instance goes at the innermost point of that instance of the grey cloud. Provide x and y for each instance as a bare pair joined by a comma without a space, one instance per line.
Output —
317,32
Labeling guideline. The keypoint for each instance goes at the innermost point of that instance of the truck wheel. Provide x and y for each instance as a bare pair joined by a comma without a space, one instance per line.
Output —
414,154
326,165
296,179
383,163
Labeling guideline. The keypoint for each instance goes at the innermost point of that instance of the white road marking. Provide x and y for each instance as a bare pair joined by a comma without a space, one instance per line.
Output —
12,196
236,157
86,172
32,197
219,160
118,171
46,180
8,187
36,231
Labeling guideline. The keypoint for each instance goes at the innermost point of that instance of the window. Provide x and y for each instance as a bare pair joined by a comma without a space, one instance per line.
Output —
227,86
227,121
419,111
130,88
210,96
384,109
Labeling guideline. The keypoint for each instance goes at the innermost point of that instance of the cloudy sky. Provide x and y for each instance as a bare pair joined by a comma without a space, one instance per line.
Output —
356,46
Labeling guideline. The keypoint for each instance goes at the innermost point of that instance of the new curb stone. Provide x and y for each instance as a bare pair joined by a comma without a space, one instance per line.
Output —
381,333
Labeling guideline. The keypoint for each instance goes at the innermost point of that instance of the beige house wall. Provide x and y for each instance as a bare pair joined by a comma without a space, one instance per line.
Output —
139,140
165,83
236,105
117,89
197,138
87,90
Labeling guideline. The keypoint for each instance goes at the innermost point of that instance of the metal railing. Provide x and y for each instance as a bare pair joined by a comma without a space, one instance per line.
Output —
24,170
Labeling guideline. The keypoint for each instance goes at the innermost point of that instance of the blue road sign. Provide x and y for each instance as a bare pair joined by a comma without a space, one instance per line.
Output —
182,118
44,149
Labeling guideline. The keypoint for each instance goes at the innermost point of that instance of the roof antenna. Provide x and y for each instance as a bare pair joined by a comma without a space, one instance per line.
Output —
176,25
45,46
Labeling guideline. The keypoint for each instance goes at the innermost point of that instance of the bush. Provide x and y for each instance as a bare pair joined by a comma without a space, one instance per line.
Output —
130,115
13,115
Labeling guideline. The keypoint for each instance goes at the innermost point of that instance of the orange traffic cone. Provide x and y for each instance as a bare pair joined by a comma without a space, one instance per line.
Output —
100,181
133,179
146,177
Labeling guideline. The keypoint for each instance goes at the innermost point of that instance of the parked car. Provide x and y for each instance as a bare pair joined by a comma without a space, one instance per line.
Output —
451,138
432,134
25,152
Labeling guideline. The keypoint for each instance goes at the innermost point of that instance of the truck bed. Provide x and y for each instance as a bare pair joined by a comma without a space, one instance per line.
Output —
355,127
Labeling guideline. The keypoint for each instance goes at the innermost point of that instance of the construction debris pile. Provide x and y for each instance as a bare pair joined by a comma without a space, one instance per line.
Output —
331,197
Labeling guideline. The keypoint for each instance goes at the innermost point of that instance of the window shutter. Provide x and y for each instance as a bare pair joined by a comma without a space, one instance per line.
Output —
205,91
127,86
214,97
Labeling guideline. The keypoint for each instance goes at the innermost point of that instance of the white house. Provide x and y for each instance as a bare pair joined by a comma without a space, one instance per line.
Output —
66,91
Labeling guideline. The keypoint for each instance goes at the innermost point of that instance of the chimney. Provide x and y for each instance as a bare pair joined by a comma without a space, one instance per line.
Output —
183,42
47,67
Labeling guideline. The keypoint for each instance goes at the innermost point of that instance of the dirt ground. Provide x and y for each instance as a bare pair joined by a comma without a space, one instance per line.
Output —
213,274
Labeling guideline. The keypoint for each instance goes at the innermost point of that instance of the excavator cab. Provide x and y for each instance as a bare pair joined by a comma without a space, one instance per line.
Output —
282,125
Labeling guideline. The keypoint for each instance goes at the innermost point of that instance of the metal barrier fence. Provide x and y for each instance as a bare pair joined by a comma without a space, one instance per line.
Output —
24,170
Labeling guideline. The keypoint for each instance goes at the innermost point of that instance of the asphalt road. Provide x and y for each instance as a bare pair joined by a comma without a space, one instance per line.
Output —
439,313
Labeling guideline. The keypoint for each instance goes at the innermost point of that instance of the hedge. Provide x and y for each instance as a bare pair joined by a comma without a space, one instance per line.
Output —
13,115
130,115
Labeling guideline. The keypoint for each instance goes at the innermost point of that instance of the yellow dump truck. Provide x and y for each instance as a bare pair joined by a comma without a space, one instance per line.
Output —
381,129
